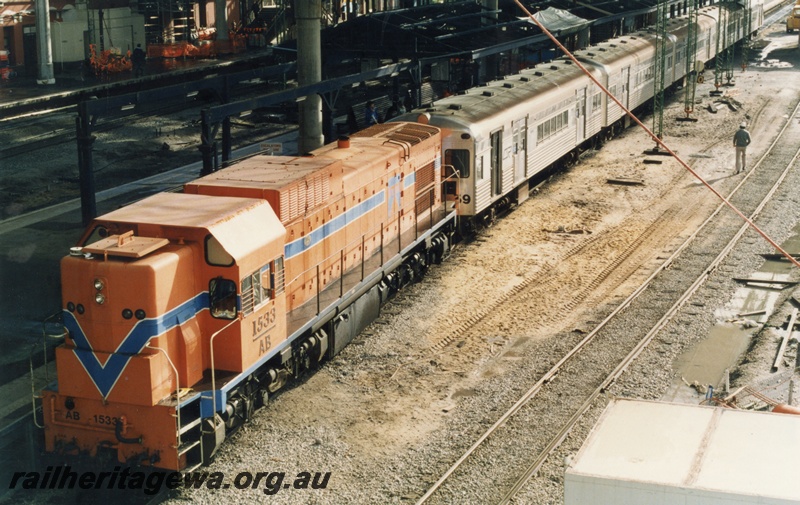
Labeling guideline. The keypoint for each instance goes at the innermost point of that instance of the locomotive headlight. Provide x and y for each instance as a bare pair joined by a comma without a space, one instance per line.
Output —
99,284
100,298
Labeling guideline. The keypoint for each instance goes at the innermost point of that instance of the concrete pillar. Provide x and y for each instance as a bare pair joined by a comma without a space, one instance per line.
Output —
308,14
44,51
221,19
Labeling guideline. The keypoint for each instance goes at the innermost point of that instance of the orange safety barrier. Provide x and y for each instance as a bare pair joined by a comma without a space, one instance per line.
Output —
180,49
108,62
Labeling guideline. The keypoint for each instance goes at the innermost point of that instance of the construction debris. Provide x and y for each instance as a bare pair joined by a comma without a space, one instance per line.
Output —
626,182
785,340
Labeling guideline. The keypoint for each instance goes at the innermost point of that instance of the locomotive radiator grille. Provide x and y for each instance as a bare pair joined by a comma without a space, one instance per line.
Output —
426,177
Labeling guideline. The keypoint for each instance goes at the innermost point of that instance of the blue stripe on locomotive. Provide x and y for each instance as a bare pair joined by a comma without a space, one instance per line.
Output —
106,376
338,223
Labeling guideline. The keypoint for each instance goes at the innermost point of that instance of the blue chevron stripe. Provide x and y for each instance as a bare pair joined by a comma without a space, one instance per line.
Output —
106,376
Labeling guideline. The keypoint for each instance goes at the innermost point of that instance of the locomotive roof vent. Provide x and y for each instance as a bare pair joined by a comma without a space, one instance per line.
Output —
553,67
602,49
488,93
508,85
568,62
590,54
613,45
524,79
538,73
623,41
455,106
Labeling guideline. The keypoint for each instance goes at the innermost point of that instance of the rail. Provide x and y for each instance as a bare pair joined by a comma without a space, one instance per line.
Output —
612,377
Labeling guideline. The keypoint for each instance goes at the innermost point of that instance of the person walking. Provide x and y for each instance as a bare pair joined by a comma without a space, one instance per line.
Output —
138,59
741,139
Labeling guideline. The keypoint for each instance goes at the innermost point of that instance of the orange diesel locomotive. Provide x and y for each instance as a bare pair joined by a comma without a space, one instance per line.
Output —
185,311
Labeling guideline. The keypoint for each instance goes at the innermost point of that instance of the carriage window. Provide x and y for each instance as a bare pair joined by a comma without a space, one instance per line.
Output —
222,298
216,254
459,159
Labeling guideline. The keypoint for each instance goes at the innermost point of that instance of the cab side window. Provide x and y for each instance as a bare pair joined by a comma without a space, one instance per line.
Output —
459,159
222,298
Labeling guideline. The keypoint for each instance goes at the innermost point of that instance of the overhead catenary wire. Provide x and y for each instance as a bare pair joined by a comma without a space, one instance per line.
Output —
654,137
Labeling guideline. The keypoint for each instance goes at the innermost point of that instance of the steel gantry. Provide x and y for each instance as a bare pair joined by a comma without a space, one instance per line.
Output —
659,64
748,30
690,88
723,64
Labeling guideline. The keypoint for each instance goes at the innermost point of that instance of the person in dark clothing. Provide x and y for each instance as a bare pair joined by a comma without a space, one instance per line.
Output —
138,59
408,102
352,123
741,139
396,108
370,114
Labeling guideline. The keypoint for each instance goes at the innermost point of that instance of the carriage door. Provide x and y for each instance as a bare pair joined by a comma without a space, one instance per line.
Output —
497,162
626,86
580,115
518,134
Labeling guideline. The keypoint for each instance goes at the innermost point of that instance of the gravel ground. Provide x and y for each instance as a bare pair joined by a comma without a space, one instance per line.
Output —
393,411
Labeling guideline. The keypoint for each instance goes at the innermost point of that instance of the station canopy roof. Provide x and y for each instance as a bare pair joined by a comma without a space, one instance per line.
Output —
463,27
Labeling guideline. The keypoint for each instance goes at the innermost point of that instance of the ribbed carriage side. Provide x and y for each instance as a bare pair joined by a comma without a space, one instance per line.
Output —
707,33
679,28
500,135
618,60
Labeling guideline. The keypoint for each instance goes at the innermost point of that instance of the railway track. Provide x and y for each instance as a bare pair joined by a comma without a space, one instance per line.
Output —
572,386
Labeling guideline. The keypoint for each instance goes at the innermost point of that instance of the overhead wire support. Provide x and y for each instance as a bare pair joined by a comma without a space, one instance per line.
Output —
659,64
723,64
730,48
690,87
658,141
719,48
748,31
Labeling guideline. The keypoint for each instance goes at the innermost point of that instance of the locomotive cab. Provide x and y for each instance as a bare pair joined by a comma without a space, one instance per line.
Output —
158,312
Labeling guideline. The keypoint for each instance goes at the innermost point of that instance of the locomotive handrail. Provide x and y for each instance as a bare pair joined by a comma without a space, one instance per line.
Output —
34,395
363,238
317,269
343,249
213,370
177,389
45,335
